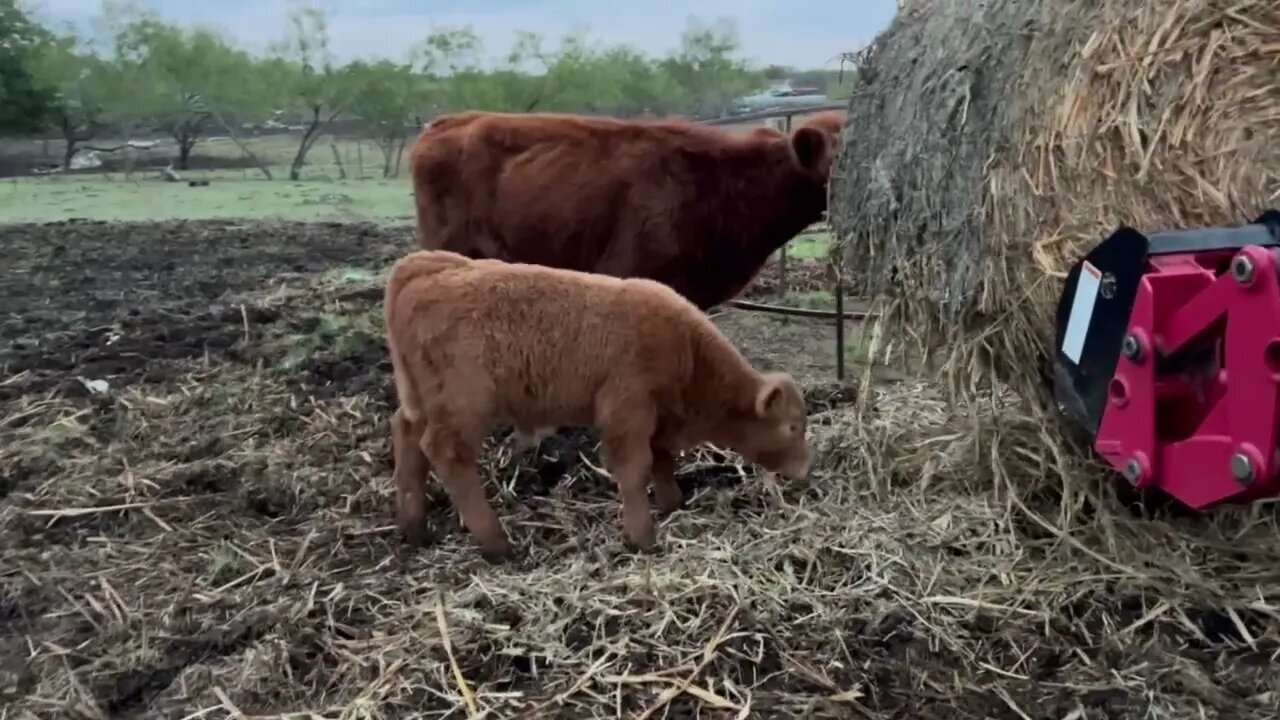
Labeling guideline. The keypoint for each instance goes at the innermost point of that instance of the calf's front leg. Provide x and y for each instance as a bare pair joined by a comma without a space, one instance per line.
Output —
455,460
631,463
410,477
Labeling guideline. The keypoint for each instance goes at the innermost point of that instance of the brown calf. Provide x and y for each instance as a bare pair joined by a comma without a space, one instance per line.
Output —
476,344
688,205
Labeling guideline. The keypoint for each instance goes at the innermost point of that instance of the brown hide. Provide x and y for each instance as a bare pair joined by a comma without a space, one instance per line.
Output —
476,344
688,205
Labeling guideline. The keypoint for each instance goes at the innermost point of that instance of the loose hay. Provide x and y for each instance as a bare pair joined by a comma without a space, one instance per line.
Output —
216,541
990,144
142,578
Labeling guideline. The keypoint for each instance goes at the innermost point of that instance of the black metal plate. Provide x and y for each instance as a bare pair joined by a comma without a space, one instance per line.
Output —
1264,232
1080,390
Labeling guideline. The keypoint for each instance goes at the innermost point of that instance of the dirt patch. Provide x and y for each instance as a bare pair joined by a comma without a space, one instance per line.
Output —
77,273
801,276
119,302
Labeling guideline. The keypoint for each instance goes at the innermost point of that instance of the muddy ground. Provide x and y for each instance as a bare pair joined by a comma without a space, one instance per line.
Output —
195,516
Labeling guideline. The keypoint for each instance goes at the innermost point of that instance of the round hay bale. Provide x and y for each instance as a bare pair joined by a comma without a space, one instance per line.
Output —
990,144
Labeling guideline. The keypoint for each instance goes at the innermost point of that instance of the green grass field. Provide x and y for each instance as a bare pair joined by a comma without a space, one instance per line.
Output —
229,195
236,194
320,194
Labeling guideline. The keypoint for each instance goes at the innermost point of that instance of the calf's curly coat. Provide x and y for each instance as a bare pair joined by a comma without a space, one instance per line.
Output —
476,344
692,206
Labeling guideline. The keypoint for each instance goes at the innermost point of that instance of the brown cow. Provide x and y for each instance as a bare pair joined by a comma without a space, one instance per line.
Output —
479,343
688,205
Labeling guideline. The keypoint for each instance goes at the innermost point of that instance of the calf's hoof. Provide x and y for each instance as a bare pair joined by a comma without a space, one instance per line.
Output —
414,531
497,554
668,502
644,541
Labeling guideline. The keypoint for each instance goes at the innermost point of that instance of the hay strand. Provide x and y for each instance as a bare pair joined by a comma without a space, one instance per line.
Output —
990,144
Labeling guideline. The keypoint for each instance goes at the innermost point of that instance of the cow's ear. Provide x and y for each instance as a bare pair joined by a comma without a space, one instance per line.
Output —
810,146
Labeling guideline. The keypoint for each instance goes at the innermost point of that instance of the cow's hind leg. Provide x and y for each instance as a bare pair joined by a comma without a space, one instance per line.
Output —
410,477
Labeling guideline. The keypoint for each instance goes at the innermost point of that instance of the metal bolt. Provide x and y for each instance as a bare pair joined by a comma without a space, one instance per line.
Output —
1242,468
1242,269
1131,348
1107,287
1133,471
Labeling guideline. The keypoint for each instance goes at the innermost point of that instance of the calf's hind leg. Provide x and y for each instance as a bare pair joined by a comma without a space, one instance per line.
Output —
666,494
454,456
410,477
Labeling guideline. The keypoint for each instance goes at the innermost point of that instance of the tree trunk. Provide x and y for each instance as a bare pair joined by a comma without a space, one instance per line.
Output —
69,152
235,138
387,146
72,141
184,152
308,139
186,135
300,157
337,159
399,156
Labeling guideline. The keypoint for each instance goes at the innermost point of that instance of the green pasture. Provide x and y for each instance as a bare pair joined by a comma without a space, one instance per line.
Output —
809,246
322,192
234,194
228,195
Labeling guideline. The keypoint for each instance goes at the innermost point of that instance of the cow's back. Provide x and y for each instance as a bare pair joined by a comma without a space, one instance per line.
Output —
687,205
554,190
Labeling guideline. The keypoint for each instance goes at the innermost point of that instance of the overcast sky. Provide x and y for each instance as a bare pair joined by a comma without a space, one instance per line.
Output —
804,33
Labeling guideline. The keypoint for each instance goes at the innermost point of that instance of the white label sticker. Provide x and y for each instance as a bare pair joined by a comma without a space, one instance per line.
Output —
1081,311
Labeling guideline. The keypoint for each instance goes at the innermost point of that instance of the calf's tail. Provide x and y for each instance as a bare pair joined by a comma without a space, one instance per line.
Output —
408,269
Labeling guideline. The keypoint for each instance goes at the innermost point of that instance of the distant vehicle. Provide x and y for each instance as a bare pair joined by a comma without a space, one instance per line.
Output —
781,95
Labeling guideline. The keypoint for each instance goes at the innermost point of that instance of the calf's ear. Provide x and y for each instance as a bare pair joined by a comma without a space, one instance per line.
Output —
769,395
810,146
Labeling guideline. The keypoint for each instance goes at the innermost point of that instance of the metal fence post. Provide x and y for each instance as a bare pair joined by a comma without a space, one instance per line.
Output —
839,326
782,254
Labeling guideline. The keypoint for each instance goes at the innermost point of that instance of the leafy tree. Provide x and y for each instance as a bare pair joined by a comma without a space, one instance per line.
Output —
499,90
708,68
25,104
178,78
184,81
641,85
315,85
83,86
448,51
448,60
565,80
386,96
